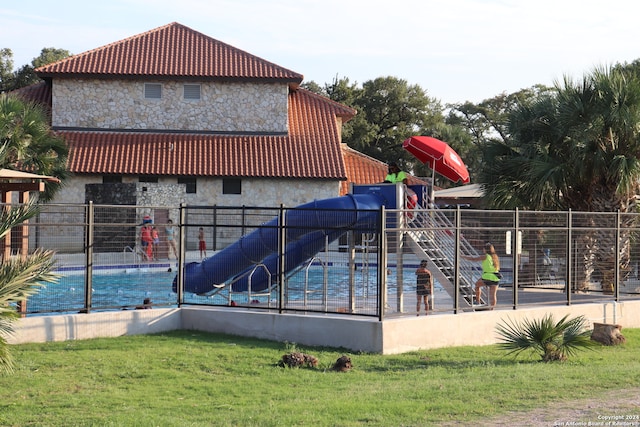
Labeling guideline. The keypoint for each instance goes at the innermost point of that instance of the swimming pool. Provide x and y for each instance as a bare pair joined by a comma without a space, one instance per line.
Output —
109,291
128,288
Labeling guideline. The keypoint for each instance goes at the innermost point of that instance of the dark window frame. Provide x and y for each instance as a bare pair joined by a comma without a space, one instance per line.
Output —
112,179
153,179
231,186
190,182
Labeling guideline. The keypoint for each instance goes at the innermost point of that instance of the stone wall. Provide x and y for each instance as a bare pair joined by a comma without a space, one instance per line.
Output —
162,201
120,104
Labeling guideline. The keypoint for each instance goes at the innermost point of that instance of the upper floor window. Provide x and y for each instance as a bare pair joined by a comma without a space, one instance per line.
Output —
191,91
190,183
112,179
231,186
148,178
152,91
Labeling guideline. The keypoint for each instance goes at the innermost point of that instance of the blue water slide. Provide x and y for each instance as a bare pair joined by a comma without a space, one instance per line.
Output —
295,254
328,215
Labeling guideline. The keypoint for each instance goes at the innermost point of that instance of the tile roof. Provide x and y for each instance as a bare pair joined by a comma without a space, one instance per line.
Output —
39,93
172,50
362,169
310,150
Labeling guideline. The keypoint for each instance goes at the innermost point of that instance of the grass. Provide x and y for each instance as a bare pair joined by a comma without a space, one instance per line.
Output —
188,378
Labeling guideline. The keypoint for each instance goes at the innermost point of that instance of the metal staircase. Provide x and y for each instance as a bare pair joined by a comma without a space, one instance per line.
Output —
431,236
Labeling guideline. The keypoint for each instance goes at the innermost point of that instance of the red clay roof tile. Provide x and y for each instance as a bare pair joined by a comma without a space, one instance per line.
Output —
172,50
39,93
310,150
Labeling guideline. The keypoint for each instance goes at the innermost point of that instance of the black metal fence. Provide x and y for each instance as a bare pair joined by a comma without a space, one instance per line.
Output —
322,260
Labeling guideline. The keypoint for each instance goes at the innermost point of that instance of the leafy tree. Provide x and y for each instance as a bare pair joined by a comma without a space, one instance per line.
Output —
6,69
488,121
19,278
553,341
25,75
27,142
49,55
392,111
576,148
389,110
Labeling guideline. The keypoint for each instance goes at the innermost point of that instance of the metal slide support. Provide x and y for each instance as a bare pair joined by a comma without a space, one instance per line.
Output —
400,234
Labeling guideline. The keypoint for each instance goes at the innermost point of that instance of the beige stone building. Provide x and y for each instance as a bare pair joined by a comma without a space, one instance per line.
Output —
172,116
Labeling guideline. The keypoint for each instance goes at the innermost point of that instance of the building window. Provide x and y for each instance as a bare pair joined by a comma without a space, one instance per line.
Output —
191,92
152,90
190,183
231,186
112,179
148,178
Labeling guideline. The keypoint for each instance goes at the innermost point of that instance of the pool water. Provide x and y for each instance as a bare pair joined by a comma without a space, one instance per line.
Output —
128,290
109,291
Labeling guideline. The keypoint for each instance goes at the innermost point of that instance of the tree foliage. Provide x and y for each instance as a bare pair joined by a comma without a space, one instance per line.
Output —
19,278
25,75
390,110
27,142
576,147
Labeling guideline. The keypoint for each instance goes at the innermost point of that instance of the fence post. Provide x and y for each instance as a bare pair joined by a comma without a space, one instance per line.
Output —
569,261
282,235
181,254
516,256
456,262
616,272
215,228
382,264
88,283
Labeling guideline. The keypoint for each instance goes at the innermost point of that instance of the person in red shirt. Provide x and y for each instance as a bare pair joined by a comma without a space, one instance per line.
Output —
147,241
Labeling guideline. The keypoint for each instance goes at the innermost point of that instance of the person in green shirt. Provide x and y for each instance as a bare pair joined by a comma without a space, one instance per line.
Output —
490,274
395,175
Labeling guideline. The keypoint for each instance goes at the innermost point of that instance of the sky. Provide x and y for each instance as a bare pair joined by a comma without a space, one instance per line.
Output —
456,50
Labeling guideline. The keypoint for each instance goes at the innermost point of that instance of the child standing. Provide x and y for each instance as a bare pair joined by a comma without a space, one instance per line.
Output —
170,231
155,240
424,286
202,244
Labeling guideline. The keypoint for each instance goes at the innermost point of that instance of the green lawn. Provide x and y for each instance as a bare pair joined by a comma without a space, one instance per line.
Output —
187,378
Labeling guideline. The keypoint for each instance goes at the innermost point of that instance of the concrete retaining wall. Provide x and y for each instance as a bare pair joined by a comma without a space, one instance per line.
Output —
392,336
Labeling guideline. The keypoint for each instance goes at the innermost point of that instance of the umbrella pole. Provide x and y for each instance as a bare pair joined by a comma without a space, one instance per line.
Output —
432,196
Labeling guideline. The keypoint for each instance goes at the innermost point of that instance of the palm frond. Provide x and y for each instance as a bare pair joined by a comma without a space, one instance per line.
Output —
16,215
551,340
21,278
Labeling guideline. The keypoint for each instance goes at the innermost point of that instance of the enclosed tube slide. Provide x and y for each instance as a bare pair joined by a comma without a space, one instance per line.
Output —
307,227
296,253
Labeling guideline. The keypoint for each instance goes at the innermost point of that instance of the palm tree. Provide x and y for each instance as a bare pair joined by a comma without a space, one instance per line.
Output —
28,144
552,341
576,148
19,278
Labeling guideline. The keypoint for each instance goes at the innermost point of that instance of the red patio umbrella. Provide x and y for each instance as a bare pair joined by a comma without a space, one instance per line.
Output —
439,155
